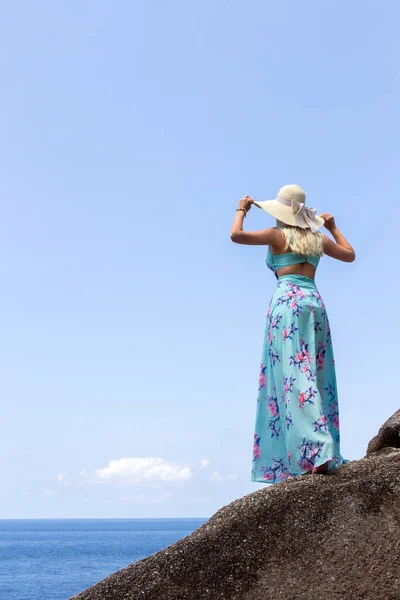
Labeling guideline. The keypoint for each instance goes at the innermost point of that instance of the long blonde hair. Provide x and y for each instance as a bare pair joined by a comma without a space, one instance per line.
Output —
302,241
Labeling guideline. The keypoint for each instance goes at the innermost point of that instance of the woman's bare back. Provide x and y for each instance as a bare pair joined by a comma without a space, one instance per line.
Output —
305,269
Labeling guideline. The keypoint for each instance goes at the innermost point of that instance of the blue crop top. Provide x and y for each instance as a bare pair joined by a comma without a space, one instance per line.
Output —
278,261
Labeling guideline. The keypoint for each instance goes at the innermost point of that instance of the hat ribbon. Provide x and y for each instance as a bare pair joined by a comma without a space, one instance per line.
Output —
304,215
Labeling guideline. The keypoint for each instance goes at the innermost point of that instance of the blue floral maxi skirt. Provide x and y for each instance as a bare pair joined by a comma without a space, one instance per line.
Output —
297,417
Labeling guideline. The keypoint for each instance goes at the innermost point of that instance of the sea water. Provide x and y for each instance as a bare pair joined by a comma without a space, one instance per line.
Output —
55,559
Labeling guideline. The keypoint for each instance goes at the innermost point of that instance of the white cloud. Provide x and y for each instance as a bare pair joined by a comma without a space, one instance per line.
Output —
228,477
82,472
49,492
143,499
204,463
137,471
62,479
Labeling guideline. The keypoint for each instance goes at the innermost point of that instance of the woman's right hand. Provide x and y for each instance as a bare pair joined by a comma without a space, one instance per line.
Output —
329,221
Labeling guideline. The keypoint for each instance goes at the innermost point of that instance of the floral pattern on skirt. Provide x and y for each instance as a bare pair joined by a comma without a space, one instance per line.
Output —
297,416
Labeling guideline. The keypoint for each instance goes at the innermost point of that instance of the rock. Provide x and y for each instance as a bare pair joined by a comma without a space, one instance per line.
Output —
388,435
314,537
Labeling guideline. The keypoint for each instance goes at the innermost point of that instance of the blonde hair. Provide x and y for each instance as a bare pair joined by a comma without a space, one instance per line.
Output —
302,241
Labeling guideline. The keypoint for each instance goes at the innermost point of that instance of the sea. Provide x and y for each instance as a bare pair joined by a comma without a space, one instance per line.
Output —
55,559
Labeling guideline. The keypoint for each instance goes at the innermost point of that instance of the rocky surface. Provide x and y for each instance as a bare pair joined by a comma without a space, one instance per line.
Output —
388,435
314,537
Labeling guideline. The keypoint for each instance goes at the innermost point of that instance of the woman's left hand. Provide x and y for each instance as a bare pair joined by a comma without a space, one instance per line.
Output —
246,203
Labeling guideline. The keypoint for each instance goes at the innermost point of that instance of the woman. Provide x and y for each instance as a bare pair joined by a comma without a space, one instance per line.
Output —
297,417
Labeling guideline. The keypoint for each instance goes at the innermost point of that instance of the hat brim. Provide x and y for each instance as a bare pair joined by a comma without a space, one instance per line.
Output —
283,213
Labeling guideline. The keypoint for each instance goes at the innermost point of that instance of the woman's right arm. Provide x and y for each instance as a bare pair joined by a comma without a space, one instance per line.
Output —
340,248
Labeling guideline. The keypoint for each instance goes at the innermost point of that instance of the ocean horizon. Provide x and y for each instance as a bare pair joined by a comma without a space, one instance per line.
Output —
54,559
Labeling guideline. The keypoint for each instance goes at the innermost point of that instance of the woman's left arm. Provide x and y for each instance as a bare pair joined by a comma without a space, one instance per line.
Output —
262,238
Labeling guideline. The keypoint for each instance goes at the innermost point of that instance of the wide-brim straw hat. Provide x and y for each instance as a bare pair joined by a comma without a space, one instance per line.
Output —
290,208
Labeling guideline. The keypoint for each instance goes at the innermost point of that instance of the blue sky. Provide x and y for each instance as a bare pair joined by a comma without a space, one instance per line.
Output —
131,325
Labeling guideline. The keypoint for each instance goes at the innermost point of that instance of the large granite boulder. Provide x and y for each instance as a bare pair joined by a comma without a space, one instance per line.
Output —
314,537
388,435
